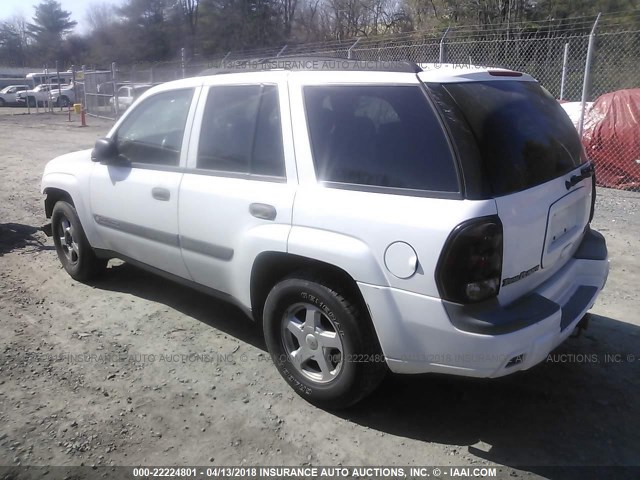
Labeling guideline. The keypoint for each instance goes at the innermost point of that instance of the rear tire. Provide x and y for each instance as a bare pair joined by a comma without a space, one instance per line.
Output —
322,345
73,248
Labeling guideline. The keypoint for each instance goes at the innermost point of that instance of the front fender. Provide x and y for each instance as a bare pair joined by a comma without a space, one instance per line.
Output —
68,183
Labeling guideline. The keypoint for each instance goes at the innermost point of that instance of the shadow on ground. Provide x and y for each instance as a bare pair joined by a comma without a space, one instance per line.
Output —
15,235
216,313
580,407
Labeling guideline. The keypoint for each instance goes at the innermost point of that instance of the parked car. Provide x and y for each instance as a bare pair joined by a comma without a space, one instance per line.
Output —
63,97
40,94
48,92
8,94
387,218
127,94
106,88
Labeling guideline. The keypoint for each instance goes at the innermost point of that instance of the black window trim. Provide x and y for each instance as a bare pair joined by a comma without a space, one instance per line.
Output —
471,188
411,192
242,175
157,167
459,195
209,173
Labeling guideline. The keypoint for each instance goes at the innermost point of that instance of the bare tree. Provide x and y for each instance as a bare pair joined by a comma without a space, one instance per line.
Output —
100,15
14,41
307,25
189,10
288,13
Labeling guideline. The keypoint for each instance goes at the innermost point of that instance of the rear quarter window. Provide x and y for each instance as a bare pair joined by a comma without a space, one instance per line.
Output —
524,136
378,136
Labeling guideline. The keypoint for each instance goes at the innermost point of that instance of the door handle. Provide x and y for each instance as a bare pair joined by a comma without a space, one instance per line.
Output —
160,193
263,211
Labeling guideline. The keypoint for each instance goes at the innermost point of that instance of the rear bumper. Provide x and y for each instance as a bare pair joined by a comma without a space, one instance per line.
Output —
421,334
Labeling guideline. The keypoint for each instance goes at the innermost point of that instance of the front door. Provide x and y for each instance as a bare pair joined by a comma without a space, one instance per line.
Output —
134,201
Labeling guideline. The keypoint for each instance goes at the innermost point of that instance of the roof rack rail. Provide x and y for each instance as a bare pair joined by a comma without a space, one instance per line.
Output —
313,63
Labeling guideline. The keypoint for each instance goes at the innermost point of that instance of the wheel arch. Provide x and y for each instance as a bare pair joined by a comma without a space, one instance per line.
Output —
65,186
54,195
271,267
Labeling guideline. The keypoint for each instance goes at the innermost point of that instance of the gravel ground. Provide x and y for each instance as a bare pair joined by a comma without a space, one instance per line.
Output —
136,370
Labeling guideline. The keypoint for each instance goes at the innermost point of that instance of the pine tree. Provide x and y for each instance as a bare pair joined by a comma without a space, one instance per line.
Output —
50,25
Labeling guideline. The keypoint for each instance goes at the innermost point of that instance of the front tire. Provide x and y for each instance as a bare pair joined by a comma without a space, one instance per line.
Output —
73,248
62,102
2,102
321,343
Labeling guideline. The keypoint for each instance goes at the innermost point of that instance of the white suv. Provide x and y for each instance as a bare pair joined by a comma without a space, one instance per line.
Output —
373,217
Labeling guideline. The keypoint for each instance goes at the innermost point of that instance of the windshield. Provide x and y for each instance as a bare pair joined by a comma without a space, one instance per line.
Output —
524,136
6,90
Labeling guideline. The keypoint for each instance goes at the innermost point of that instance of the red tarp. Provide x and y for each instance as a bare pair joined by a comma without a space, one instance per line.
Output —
611,138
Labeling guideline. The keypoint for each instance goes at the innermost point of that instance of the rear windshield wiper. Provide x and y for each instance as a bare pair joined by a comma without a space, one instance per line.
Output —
585,172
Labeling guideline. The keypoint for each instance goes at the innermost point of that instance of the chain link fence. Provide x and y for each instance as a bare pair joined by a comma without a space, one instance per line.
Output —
581,62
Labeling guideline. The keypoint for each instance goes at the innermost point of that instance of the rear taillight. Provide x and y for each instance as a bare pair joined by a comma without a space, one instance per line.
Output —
470,265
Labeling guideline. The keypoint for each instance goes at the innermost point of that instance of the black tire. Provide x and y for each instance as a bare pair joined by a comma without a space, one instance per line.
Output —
62,102
2,102
74,251
351,372
31,101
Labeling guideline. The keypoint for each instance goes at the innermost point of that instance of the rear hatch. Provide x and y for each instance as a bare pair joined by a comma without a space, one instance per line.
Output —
534,167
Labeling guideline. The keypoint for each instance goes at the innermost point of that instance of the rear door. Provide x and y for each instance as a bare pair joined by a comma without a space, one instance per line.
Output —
536,170
237,194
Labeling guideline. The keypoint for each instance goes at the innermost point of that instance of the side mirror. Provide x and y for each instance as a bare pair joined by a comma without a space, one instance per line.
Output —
104,150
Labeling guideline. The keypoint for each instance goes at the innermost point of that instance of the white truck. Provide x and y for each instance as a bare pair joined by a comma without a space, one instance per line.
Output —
48,94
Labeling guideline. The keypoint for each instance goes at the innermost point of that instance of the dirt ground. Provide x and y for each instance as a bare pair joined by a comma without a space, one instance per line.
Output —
136,370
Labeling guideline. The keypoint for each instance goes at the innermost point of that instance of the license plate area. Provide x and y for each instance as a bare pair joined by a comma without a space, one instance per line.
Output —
565,225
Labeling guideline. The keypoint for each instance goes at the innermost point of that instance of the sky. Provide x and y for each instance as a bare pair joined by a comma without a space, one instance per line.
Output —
76,7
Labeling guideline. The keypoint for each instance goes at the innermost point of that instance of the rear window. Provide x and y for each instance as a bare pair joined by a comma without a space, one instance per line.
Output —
524,136
379,136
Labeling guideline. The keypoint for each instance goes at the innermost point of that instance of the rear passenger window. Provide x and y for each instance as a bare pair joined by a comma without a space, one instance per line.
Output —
241,131
383,136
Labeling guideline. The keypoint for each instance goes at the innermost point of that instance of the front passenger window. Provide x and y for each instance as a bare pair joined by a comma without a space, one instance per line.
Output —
153,132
